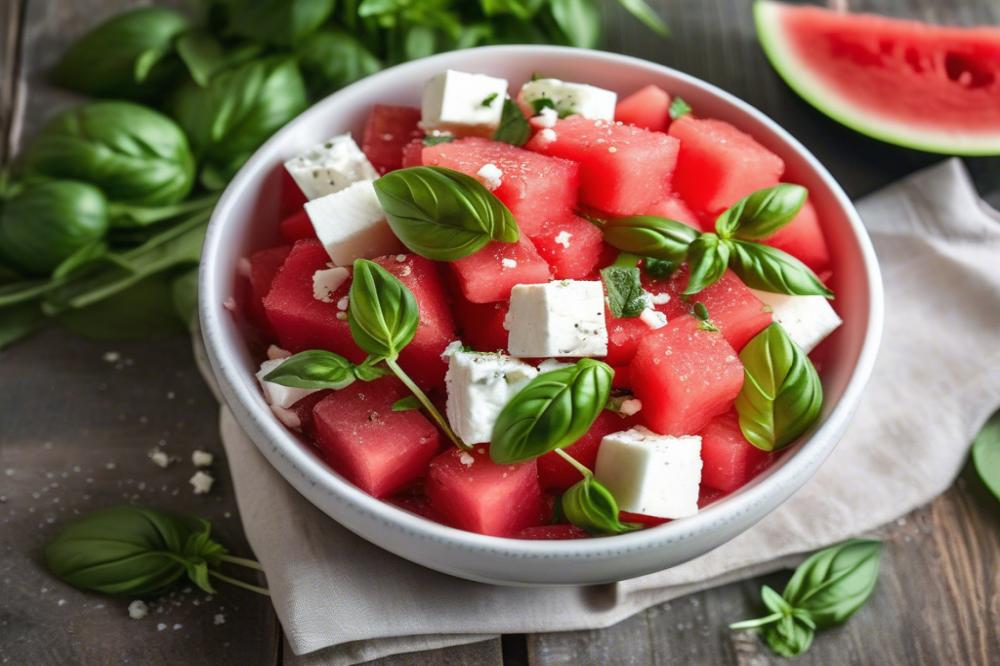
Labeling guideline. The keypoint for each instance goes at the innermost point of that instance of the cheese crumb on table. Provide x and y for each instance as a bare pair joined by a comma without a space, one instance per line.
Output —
138,609
559,318
201,482
159,458
201,458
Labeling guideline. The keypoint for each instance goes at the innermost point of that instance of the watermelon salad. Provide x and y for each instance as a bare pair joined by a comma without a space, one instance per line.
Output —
542,312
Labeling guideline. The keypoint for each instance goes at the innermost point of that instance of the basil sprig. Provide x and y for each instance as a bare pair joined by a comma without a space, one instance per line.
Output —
986,454
513,128
679,108
769,269
590,505
137,551
442,214
554,410
781,395
626,297
708,258
762,213
649,236
823,592
321,369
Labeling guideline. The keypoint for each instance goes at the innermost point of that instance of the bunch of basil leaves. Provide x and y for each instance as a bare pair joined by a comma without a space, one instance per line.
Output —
103,214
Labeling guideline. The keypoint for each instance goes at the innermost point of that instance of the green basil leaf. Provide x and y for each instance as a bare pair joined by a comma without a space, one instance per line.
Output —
46,223
986,454
659,269
708,257
522,9
332,58
442,214
650,236
204,56
762,213
588,504
642,11
579,21
554,410
239,109
834,583
626,297
769,269
86,256
407,404
705,323
105,62
133,154
279,22
679,108
781,395
433,140
789,637
314,369
383,315
514,128
131,551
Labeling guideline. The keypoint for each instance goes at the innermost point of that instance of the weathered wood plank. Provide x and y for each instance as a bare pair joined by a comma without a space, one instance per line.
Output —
11,14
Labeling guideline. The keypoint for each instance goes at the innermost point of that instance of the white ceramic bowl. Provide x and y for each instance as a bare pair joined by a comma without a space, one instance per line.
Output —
246,220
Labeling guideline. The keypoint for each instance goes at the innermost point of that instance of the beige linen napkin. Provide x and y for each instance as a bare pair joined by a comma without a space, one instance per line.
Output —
343,600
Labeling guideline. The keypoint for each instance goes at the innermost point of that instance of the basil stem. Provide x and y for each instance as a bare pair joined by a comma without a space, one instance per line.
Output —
428,406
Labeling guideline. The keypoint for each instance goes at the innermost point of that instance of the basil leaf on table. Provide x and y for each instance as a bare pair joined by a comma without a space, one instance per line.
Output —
514,128
579,21
678,108
626,297
789,637
383,315
133,154
708,258
442,214
588,504
332,58
553,410
986,454
781,395
47,222
204,56
314,369
650,236
278,22
770,269
762,213
127,56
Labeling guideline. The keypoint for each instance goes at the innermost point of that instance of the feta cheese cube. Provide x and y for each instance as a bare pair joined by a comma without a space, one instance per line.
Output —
550,364
277,394
326,281
479,385
351,224
330,166
806,319
458,101
651,474
559,318
571,98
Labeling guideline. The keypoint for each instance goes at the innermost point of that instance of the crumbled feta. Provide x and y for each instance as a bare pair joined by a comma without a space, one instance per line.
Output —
287,417
159,458
558,318
630,407
507,262
550,364
218,619
547,136
138,609
351,224
490,176
274,352
111,357
563,238
327,281
466,459
343,302
462,102
546,118
651,474
201,458
479,385
654,319
571,98
201,482
451,349
806,319
277,394
659,299
330,166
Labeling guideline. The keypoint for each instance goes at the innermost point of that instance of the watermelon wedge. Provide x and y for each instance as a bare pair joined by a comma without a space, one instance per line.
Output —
908,83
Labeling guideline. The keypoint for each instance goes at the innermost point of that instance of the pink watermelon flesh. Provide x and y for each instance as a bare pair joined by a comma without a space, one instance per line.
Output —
555,473
648,108
377,449
304,411
571,246
474,493
623,169
728,459
264,266
291,198
929,87
413,154
731,306
481,324
296,227
388,130
674,208
559,532
483,277
684,376
625,333
535,188
803,239
718,164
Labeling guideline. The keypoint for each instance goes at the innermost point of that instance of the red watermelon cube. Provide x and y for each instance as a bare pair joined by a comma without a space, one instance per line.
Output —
684,376
480,325
476,494
413,153
388,131
264,266
535,188
625,333
296,227
731,306
375,448
556,473
303,410
803,238
673,207
291,198
728,459
719,165
488,275
571,246
623,169
648,108
416,504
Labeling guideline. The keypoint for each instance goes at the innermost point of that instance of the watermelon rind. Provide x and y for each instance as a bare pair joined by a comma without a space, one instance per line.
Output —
771,34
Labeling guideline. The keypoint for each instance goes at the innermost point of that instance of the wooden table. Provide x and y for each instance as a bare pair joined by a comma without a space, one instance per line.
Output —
77,419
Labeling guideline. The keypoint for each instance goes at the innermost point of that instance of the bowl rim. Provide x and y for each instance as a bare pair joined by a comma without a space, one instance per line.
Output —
264,429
